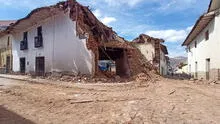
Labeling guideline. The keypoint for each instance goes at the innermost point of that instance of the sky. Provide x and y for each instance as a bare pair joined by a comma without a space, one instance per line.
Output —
170,20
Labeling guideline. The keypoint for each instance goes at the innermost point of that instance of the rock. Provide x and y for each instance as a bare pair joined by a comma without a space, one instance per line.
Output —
117,78
56,74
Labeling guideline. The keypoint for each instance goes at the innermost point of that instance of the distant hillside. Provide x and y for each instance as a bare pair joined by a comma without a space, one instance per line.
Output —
174,62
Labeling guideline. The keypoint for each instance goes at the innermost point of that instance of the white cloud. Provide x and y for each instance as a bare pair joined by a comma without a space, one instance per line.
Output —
130,3
176,4
170,35
30,4
108,20
97,13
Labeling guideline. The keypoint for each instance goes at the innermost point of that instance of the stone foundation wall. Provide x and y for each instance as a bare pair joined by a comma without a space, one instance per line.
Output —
213,75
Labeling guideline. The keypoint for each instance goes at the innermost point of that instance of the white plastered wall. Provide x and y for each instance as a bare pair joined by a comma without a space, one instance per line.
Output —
148,50
206,49
62,49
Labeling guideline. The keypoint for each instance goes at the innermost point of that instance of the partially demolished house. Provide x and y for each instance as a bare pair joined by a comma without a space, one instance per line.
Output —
203,45
163,60
68,38
154,51
5,47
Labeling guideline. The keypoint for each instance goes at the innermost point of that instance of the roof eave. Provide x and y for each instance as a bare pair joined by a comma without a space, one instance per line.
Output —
211,15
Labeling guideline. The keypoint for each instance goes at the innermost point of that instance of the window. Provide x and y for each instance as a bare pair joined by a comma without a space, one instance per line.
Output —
8,43
24,43
207,35
196,70
38,40
25,36
39,31
195,44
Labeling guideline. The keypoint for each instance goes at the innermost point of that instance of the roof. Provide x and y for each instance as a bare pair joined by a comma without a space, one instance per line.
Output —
118,44
164,49
201,23
143,38
87,22
5,23
214,5
33,17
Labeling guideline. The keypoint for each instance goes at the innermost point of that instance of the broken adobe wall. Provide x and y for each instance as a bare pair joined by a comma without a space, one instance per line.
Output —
145,39
100,35
122,65
87,25
147,49
138,62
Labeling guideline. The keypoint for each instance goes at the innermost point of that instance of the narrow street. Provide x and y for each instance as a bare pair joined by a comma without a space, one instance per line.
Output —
166,101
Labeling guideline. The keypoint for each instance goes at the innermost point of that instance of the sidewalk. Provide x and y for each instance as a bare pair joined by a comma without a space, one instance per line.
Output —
28,78
60,83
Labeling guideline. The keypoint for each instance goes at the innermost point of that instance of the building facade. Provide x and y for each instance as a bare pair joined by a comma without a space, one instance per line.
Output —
60,48
163,60
5,48
203,44
154,51
67,38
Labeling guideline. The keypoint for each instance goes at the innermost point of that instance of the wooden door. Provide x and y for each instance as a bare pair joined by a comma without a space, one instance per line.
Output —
40,66
22,65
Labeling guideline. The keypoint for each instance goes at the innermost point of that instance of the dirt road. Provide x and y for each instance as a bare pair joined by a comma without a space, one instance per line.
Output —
167,101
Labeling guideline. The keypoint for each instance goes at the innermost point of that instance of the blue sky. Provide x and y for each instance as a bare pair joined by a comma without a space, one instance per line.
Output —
168,19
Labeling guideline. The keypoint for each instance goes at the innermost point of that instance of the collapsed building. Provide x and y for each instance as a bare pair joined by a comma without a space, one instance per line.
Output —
68,38
154,51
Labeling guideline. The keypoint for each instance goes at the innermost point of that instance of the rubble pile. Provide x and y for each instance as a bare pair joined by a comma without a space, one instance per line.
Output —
138,63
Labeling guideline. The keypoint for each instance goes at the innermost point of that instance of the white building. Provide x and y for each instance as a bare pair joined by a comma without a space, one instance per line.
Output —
163,60
65,37
203,45
154,51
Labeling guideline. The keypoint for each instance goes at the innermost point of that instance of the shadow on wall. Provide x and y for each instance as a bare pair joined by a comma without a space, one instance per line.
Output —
9,117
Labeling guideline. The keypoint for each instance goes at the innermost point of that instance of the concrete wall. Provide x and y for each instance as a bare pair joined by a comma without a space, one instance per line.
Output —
148,50
206,49
62,49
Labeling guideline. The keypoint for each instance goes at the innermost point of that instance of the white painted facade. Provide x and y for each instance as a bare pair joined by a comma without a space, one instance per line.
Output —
148,50
62,49
163,64
183,70
4,41
205,49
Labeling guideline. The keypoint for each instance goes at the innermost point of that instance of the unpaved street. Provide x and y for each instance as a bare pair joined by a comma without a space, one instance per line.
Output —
167,101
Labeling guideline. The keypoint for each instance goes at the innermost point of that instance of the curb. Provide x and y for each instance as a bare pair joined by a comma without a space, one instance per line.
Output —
14,78
29,80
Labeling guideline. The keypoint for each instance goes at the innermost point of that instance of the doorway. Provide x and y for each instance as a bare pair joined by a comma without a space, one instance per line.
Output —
40,66
22,65
207,69
116,59
8,64
196,70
